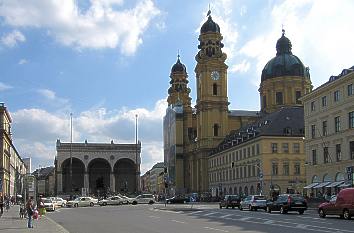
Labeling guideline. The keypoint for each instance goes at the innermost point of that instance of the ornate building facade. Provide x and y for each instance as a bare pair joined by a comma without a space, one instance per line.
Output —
97,167
195,136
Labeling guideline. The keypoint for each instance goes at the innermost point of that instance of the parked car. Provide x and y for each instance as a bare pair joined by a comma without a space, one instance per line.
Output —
177,200
287,202
144,199
126,200
230,201
115,200
49,205
82,201
342,205
253,202
59,201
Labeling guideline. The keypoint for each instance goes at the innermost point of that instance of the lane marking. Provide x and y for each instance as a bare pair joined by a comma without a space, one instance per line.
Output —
215,229
178,221
152,216
210,214
225,216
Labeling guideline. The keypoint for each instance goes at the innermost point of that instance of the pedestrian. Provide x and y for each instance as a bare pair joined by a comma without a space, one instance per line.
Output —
41,207
29,208
1,205
7,204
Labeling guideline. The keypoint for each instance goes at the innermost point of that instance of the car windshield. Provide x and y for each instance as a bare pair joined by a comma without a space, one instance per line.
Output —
259,198
233,197
77,199
297,198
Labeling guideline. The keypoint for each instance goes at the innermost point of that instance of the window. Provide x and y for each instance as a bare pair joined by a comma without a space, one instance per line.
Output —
325,155
257,149
338,152
313,131
216,129
324,101
324,128
285,147
244,153
314,157
253,151
351,120
350,89
249,170
215,89
296,147
297,168
274,169
264,101
313,106
351,149
337,124
285,169
274,148
298,95
248,152
279,98
336,96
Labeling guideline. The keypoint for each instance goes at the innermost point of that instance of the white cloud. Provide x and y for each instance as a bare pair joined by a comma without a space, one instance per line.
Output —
47,93
12,38
36,130
100,26
243,10
4,87
242,67
22,61
319,31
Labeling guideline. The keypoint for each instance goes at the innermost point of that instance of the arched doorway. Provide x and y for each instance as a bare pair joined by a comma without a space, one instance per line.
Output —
99,176
125,176
252,190
74,184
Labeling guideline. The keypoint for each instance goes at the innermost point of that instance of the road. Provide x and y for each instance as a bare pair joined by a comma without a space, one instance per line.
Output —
206,218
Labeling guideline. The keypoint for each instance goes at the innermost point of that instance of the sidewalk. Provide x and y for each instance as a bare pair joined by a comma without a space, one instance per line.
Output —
10,222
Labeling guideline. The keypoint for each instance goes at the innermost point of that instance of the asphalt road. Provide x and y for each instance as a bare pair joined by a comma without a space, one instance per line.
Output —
203,218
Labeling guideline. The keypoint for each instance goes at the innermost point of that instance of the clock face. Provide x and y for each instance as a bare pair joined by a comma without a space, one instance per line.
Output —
215,75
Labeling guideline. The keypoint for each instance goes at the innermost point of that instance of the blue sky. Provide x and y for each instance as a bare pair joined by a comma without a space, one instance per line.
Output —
107,60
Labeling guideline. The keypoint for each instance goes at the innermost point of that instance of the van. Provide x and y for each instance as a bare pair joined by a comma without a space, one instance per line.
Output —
342,205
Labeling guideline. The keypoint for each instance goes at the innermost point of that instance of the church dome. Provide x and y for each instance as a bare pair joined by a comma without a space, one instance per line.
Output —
284,63
178,67
210,26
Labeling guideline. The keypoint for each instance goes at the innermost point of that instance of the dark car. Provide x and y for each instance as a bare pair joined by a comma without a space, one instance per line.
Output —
342,205
230,201
177,200
287,202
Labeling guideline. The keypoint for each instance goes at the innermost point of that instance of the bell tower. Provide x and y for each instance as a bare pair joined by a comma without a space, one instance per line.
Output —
211,74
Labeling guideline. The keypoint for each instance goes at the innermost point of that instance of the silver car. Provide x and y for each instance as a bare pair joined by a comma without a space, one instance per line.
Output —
82,201
253,202
144,199
116,200
49,205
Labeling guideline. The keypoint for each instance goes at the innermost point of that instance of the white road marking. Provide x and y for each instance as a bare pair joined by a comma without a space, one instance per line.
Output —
210,214
152,216
178,221
215,229
269,222
245,218
225,216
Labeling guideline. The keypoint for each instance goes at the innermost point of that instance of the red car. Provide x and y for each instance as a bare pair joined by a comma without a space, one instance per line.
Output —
342,205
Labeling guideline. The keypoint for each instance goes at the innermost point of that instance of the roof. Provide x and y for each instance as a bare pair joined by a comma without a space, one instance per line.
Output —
287,122
159,165
43,173
334,78
243,113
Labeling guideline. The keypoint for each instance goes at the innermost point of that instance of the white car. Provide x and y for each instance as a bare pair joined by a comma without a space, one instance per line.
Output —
60,201
82,201
115,200
49,205
126,200
144,199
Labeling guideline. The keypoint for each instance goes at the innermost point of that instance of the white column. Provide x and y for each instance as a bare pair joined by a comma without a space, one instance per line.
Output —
112,182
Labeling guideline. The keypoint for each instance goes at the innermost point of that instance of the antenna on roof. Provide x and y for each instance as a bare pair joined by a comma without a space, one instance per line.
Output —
209,11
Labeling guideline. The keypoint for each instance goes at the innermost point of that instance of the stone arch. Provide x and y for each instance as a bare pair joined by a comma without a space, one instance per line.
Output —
327,178
252,190
315,179
246,191
125,176
76,182
99,171
340,176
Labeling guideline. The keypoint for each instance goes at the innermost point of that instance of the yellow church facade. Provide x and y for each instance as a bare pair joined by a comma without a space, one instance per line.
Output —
193,133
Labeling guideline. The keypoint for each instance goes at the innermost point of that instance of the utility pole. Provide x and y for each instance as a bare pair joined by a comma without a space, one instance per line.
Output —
71,148
136,154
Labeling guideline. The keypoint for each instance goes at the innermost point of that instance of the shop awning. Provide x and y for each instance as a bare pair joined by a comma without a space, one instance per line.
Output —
345,185
309,186
335,184
321,185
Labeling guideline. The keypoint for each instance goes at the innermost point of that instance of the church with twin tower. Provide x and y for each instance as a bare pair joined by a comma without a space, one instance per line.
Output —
191,133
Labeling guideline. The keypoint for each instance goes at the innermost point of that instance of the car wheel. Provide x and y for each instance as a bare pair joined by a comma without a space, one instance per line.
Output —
227,206
282,210
321,213
233,207
346,214
104,203
220,206
301,211
91,204
268,210
151,202
240,208
134,203
250,208
62,205
76,205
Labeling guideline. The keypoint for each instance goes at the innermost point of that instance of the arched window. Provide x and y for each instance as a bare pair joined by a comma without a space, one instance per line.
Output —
215,89
339,176
216,129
